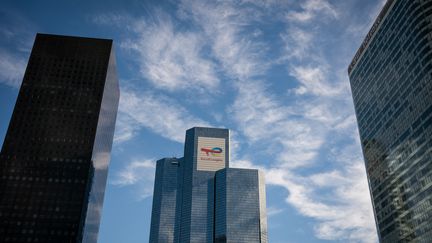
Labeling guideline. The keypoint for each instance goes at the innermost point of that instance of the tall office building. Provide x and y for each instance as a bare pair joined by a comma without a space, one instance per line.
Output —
55,156
164,200
206,153
391,82
240,206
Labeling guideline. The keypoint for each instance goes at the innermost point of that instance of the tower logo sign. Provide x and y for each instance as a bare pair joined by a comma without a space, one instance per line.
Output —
213,151
210,153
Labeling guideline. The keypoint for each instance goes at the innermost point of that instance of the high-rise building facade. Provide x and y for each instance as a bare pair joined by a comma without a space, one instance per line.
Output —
391,82
206,153
164,200
240,206
55,156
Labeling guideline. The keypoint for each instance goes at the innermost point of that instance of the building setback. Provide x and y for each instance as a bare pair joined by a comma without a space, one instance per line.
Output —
240,206
55,156
391,82
206,154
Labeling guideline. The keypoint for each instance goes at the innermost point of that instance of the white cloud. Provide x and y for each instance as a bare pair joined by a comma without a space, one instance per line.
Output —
261,117
297,43
138,173
12,69
313,81
119,20
312,8
338,198
159,114
134,172
232,47
312,129
272,211
255,110
346,214
126,128
171,59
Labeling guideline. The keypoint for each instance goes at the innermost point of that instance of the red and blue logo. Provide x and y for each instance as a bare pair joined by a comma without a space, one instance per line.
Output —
212,151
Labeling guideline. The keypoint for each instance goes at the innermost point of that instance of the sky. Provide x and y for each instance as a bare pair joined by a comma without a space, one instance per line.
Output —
274,72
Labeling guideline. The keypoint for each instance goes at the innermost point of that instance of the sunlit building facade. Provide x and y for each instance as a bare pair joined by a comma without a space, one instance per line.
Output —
55,156
391,82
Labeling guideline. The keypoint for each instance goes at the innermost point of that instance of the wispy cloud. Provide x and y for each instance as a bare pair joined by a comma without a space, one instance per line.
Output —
231,46
272,211
302,132
312,8
261,117
171,59
297,43
15,45
139,173
308,134
160,114
119,20
11,68
126,127
313,80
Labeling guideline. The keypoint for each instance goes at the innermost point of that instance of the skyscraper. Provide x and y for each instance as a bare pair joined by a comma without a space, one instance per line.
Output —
55,156
206,153
164,201
391,82
240,206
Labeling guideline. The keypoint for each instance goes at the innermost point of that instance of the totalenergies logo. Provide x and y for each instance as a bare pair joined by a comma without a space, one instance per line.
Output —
213,151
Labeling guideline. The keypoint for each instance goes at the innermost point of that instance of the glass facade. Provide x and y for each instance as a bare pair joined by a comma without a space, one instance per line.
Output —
164,201
197,210
54,160
193,178
240,206
391,82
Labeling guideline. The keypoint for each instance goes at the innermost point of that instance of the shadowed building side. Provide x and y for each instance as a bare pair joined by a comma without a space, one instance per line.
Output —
54,159
101,155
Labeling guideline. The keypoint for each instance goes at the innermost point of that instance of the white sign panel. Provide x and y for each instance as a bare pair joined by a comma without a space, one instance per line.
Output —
210,154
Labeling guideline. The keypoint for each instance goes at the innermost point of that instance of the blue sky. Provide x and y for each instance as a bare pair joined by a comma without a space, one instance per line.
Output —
272,71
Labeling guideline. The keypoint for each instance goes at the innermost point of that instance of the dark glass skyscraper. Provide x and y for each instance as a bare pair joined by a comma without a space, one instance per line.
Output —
206,152
391,82
54,159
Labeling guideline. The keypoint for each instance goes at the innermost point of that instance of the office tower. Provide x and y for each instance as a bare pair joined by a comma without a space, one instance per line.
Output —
240,213
55,156
206,151
206,154
391,82
164,201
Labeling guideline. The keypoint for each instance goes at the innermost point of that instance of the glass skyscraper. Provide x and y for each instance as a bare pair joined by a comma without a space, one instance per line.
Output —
164,201
240,206
55,156
206,153
391,82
